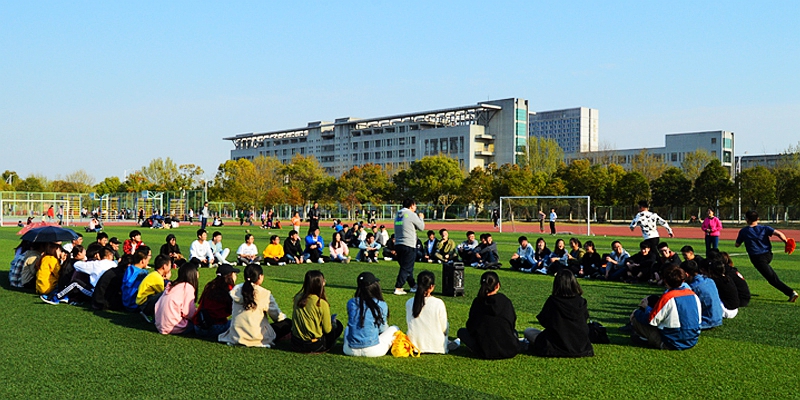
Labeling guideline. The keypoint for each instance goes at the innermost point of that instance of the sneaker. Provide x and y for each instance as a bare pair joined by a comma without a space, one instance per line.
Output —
146,317
454,344
369,260
308,261
321,261
542,271
793,297
399,292
413,290
525,269
474,264
64,299
347,260
281,263
49,299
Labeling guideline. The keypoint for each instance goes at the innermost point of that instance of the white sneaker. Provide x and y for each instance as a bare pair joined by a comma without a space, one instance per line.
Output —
525,270
452,345
542,271
474,264
321,261
413,290
281,263
308,261
400,292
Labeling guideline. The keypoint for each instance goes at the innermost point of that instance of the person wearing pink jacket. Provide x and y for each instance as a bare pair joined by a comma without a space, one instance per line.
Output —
712,226
175,309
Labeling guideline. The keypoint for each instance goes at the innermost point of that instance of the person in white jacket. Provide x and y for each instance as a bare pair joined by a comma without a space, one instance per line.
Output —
426,317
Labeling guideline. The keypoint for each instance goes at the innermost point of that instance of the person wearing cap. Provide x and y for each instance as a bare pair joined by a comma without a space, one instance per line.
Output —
130,245
382,236
367,333
215,303
152,286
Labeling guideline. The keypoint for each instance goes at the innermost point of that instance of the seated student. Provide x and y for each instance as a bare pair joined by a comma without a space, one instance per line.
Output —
640,265
382,236
522,260
486,254
102,239
94,226
152,286
563,317
77,241
215,304
426,317
253,306
273,253
728,295
688,254
368,250
314,246
314,329
419,251
217,222
338,250
575,255
446,248
673,321
666,257
23,267
247,253
558,259
541,254
88,276
368,334
429,248
49,266
200,250
113,244
292,249
351,236
67,270
220,252
135,240
591,262
175,309
615,262
389,252
133,276
742,288
171,248
107,293
466,249
490,331
706,291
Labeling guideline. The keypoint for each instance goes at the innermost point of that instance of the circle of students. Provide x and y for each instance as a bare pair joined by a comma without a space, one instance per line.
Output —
699,294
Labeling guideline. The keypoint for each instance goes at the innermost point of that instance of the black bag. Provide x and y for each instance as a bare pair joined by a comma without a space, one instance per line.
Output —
597,333
204,320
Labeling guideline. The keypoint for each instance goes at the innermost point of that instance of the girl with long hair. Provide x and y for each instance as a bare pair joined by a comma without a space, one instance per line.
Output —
540,253
215,304
253,306
49,266
175,309
563,316
314,329
338,249
491,326
426,317
368,334
558,259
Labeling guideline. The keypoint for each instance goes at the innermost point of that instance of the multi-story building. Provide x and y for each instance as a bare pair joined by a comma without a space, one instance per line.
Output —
488,132
574,129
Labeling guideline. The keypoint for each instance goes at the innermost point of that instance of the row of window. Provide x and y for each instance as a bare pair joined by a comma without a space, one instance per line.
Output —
451,145
366,144
284,152
379,155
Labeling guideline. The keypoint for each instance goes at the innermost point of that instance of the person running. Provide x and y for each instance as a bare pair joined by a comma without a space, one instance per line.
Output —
649,222
406,225
759,248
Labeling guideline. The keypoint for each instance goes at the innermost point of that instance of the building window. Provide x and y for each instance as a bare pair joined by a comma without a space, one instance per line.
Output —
713,140
377,143
401,153
402,140
413,152
366,157
454,145
302,150
355,157
726,156
674,157
443,145
377,155
388,155
366,144
413,140
355,145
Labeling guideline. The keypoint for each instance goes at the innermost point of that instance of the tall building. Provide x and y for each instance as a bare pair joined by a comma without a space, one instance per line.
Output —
488,132
574,129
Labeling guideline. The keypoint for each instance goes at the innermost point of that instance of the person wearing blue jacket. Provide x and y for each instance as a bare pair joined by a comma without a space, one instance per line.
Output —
523,259
367,333
133,276
706,290
314,246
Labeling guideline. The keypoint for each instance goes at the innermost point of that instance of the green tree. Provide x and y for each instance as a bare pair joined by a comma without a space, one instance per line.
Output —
756,186
787,186
543,155
33,183
135,182
477,188
433,179
189,176
306,178
108,185
10,179
631,188
651,166
713,186
694,162
361,184
585,179
161,173
671,189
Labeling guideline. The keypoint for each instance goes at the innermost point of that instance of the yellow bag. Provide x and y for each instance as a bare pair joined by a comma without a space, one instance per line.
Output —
402,346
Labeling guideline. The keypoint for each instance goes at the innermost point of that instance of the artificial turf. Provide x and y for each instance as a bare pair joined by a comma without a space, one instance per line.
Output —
74,352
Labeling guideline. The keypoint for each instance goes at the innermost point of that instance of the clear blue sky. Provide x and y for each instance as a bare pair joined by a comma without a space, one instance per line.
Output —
107,86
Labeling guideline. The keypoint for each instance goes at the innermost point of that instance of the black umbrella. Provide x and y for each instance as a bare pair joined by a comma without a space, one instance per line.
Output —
50,234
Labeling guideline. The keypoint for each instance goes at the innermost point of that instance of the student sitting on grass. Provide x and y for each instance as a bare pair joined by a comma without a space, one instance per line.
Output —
134,274
152,287
490,331
273,253
671,321
314,329
134,242
247,252
253,306
541,255
314,246
640,265
446,248
742,288
728,295
368,334
523,260
575,256
67,270
50,264
706,291
368,250
215,304
615,262
88,276
338,249
171,248
292,248
486,253
175,309
591,262
759,248
563,317
558,259
426,317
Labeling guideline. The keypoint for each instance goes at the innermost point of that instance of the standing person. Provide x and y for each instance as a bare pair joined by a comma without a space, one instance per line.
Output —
759,248
426,317
406,224
712,226
490,331
60,215
253,306
295,221
368,333
563,317
553,218
314,329
191,216
496,218
541,220
204,216
140,218
51,214
313,217
649,222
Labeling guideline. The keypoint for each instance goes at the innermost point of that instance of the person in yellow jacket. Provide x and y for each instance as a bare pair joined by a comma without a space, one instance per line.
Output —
273,254
50,265
152,286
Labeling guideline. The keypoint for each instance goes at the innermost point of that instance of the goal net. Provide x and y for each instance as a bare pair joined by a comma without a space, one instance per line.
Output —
531,214
13,211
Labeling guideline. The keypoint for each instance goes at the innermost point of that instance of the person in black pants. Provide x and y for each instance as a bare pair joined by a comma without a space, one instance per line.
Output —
756,240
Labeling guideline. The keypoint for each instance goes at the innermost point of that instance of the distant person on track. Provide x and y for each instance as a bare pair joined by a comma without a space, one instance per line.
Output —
712,227
553,217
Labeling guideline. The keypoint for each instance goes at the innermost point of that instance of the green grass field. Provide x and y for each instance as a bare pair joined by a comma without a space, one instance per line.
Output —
73,352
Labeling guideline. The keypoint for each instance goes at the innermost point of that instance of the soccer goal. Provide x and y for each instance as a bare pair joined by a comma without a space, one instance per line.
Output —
14,210
522,214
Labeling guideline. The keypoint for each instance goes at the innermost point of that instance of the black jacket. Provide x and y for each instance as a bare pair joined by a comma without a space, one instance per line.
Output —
566,333
492,322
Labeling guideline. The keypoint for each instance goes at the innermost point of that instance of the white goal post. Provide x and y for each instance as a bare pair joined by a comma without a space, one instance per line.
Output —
13,210
508,204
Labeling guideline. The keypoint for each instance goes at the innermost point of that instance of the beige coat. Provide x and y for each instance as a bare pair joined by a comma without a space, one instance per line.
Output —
251,327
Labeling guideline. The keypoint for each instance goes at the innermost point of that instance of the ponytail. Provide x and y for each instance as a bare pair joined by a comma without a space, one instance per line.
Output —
425,280
489,282
251,274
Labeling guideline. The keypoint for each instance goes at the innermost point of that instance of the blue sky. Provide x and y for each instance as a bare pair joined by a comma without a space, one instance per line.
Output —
108,86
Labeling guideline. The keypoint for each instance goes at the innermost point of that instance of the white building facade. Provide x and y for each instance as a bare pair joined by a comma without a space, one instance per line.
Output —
576,130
